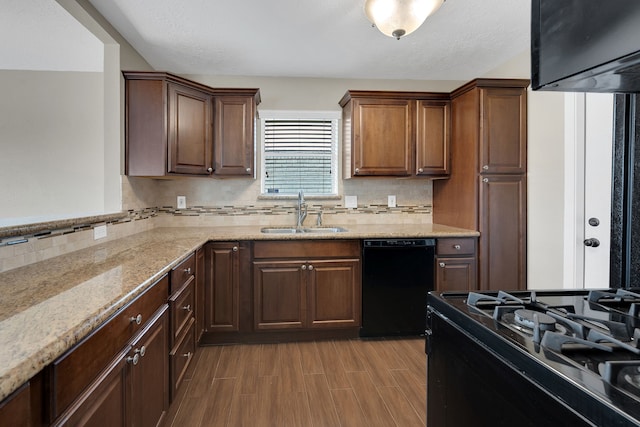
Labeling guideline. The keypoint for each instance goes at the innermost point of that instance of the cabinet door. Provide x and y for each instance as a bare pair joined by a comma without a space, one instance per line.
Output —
456,274
15,410
383,137
334,293
502,254
234,139
503,127
222,284
104,403
279,294
433,136
190,136
150,375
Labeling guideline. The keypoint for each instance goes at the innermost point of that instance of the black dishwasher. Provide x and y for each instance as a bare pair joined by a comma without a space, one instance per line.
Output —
396,276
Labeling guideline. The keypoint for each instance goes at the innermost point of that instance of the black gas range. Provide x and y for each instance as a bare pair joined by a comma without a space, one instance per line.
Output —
532,358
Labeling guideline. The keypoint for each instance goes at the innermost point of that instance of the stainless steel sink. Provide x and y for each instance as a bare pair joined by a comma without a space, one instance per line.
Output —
324,230
281,230
294,230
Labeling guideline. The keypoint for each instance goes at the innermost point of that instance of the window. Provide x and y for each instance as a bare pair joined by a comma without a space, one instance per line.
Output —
299,152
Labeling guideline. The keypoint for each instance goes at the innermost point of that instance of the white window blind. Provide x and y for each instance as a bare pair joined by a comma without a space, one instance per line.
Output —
299,154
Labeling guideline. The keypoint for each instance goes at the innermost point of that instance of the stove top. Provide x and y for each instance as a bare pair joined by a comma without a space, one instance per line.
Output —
590,338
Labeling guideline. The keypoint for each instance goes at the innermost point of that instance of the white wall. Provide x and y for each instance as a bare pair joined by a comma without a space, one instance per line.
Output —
51,140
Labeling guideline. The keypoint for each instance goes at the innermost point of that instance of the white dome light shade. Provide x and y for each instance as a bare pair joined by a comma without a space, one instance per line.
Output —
398,18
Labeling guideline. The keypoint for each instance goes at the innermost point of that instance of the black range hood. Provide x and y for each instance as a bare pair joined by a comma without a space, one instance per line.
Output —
585,45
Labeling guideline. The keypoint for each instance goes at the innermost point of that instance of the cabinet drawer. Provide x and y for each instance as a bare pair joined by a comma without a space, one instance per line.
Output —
302,249
73,371
182,273
181,357
181,305
456,246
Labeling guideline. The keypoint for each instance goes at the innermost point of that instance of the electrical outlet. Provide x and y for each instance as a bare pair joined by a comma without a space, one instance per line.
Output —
351,202
391,201
182,202
99,232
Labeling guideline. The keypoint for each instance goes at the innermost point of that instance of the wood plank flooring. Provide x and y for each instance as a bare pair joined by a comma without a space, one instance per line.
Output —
348,383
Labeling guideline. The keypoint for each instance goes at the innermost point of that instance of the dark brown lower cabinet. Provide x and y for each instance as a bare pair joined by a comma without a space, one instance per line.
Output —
502,255
15,410
134,388
456,264
222,288
320,291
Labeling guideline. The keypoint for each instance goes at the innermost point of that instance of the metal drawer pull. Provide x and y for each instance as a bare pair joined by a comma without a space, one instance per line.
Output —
137,320
187,307
456,247
134,360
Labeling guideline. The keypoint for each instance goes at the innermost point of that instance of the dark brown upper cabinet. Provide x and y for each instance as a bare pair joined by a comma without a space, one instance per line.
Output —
395,133
177,127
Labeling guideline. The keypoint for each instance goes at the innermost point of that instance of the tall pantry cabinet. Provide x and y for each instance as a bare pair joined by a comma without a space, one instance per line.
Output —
486,189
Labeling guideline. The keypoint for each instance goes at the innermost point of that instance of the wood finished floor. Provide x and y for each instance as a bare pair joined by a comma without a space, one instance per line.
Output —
347,383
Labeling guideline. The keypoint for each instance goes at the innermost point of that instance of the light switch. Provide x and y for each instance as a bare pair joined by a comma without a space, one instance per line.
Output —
391,201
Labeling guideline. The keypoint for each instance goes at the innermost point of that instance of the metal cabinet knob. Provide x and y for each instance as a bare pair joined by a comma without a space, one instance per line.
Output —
187,270
485,167
248,170
187,307
485,180
187,354
456,247
304,267
310,267
141,351
442,264
420,170
357,170
234,249
137,320
133,360
210,170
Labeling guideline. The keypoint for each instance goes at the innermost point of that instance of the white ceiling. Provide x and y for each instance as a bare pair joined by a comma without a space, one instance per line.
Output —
318,38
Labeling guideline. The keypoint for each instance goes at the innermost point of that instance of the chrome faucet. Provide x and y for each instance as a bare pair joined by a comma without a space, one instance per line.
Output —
301,210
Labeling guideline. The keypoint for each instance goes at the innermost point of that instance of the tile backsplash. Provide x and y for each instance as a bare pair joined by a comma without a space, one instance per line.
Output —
17,251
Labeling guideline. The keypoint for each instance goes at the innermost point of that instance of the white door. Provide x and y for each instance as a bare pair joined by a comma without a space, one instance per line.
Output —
588,161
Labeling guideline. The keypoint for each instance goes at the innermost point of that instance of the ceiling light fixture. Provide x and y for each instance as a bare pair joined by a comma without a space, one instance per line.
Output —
398,18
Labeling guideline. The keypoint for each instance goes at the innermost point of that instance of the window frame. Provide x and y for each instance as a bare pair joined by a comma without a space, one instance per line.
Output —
334,116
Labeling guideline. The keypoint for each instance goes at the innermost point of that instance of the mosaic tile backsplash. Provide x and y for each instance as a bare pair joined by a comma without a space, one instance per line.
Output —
20,250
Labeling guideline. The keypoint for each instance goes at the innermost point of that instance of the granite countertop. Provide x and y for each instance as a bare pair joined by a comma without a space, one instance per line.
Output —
49,306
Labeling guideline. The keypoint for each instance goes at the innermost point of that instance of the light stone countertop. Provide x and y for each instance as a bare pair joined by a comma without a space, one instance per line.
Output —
49,306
